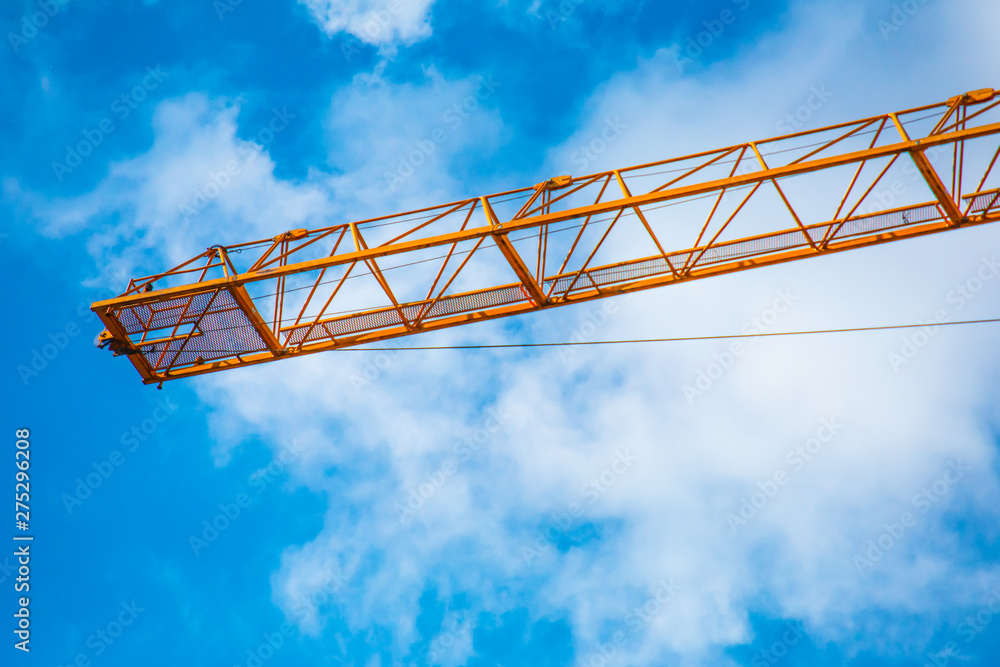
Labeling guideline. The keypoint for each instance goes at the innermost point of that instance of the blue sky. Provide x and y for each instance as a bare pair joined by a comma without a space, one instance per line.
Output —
254,517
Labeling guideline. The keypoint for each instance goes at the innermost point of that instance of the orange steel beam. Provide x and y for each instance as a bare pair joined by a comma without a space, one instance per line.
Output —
180,323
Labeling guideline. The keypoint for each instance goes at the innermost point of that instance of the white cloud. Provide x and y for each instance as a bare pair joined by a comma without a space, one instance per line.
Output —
377,22
398,146
198,185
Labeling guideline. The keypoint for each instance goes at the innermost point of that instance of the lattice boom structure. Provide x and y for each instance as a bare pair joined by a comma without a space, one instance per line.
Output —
566,240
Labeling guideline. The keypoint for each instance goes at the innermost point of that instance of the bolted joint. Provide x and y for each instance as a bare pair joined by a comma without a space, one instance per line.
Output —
292,235
556,183
975,96
104,339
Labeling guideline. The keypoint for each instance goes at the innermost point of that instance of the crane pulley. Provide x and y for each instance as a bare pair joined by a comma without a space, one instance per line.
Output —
566,240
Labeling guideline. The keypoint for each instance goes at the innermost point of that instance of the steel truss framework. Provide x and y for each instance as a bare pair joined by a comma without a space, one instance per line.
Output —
567,240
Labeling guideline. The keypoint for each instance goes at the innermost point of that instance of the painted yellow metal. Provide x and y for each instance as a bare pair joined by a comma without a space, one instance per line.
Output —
758,204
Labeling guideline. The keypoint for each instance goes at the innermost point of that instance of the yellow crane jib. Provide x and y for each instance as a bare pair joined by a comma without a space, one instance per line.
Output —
566,240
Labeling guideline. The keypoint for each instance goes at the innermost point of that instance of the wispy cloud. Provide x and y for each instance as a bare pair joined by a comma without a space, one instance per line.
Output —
382,23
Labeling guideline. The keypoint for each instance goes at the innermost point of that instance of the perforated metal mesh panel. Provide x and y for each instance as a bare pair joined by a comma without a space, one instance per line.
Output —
986,202
212,326
163,314
727,252
449,305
